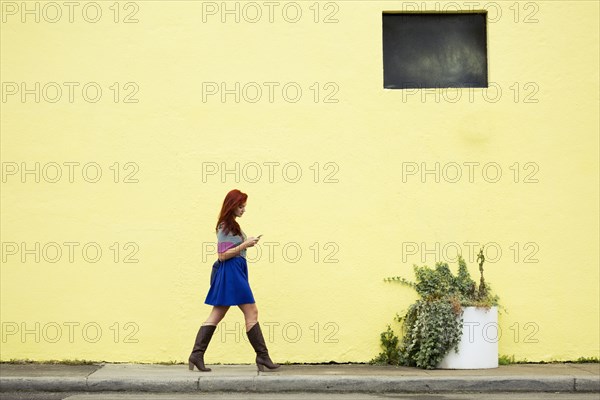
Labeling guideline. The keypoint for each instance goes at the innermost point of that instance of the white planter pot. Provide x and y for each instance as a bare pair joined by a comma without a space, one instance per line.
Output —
478,347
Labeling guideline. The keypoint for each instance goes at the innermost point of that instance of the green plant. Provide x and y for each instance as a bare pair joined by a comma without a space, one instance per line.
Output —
389,342
65,362
584,360
432,326
506,360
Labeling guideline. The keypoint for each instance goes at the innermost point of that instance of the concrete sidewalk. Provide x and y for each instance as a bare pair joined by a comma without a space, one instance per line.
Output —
299,378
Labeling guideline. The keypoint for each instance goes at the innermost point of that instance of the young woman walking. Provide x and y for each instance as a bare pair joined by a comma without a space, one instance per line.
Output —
229,284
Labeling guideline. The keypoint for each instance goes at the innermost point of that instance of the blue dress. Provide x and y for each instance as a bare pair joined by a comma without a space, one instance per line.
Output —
229,285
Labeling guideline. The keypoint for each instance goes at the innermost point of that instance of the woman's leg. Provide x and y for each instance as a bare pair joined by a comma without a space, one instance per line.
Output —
256,337
216,315
250,314
203,337
209,326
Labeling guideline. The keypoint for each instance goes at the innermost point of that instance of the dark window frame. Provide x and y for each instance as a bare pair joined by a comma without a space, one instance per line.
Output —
423,50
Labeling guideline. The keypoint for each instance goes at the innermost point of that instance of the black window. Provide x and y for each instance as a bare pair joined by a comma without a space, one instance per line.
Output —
434,50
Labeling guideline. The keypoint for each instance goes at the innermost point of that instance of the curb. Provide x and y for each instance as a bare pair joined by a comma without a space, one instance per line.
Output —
306,383
587,384
43,384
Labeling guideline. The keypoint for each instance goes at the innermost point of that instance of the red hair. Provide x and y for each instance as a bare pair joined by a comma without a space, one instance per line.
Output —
234,199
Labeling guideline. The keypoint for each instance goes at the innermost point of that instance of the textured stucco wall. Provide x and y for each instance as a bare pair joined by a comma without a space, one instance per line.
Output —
335,176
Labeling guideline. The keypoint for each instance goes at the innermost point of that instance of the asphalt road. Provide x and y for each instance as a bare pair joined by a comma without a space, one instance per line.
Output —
295,396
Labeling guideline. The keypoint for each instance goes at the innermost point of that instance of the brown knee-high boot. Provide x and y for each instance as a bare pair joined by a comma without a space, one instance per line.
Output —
262,354
202,340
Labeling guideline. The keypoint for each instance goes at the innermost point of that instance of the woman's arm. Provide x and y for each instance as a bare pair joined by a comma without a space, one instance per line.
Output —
235,251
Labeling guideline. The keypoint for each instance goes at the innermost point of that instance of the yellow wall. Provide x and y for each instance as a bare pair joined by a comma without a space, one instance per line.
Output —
364,209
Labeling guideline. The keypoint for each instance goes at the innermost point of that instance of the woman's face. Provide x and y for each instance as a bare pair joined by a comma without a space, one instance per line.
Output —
240,210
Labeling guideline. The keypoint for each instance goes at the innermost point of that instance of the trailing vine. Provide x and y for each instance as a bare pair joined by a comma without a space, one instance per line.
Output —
432,326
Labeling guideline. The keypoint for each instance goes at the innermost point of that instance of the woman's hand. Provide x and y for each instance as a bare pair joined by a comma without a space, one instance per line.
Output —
251,241
233,252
